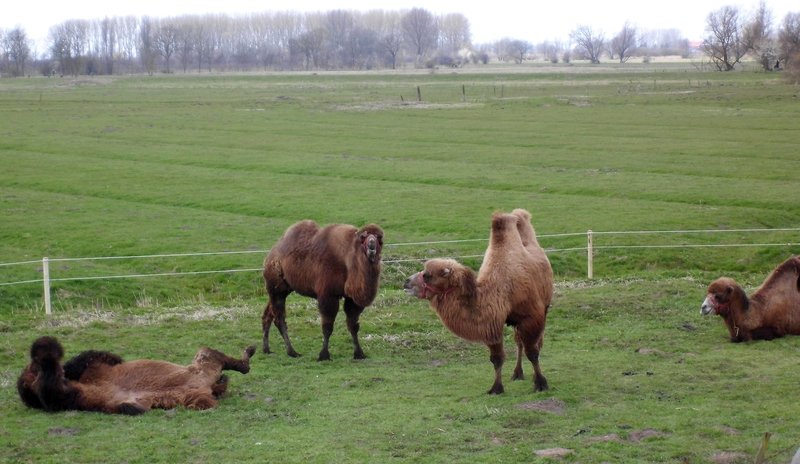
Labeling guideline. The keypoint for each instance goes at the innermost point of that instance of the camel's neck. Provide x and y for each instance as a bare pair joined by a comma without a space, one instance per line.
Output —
736,313
363,278
467,318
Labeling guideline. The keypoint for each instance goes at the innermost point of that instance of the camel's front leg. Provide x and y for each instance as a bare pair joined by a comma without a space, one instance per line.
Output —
353,312
328,308
497,356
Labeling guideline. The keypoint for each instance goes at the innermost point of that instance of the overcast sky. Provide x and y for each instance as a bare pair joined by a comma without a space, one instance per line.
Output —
533,21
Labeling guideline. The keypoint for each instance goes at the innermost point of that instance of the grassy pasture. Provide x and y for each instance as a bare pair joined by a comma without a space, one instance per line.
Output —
177,164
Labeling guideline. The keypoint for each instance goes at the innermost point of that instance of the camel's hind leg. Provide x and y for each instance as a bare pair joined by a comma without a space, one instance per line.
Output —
518,375
353,312
532,341
208,358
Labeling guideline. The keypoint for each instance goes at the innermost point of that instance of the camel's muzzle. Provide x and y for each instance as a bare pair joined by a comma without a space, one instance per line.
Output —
412,287
372,247
708,307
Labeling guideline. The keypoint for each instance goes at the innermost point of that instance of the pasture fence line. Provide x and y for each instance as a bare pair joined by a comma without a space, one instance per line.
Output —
591,250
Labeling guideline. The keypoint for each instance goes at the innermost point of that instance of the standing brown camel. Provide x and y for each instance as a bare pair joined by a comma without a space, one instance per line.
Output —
514,286
329,264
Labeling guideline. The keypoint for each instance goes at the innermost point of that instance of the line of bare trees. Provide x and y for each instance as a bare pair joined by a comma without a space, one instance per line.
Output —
343,39
336,39
731,35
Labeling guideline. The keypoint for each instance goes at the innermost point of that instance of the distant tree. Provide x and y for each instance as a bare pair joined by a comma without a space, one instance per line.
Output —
724,45
624,42
184,46
17,49
107,46
758,38
661,42
165,40
309,47
419,32
338,26
390,37
127,29
516,49
588,42
68,44
359,48
789,44
454,33
147,50
551,50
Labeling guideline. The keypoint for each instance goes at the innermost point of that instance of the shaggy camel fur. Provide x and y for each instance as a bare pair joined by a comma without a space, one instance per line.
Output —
328,264
103,382
514,286
773,310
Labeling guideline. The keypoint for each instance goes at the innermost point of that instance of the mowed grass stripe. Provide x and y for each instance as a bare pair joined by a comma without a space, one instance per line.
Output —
205,187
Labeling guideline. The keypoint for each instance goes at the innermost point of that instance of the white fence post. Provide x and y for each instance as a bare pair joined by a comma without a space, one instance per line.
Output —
589,255
46,279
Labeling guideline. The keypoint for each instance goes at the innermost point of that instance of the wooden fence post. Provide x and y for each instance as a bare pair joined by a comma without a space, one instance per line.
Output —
46,280
589,255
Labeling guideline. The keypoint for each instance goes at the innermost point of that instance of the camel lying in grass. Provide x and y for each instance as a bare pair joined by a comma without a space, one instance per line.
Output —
102,381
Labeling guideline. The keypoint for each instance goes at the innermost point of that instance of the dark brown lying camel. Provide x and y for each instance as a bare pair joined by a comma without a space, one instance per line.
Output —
773,310
103,382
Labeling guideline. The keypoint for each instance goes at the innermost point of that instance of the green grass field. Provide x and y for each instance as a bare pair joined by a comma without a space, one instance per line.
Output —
131,166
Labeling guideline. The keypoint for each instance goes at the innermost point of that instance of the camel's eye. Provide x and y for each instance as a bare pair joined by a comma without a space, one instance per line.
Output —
718,297
426,276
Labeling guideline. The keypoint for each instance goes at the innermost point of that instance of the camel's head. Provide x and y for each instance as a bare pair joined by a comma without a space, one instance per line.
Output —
718,297
371,239
438,278
46,354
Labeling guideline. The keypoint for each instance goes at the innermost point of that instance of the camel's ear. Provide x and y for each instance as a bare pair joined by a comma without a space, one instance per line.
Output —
446,272
728,291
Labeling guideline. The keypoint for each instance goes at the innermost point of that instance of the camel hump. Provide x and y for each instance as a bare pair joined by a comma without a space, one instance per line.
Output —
75,367
502,222
787,271
522,214
504,230
300,232
525,228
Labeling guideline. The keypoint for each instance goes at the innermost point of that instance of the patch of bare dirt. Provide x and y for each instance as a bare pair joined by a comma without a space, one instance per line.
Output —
605,438
552,405
730,430
653,351
62,432
640,435
726,457
553,452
